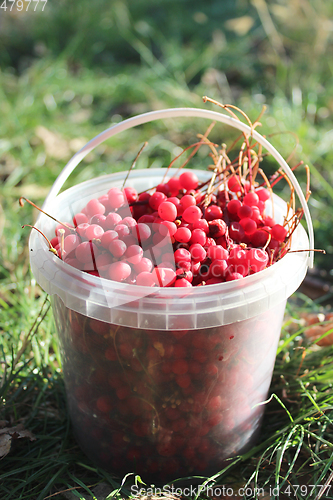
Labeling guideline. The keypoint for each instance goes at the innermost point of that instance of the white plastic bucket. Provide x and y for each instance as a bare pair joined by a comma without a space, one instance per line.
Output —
131,406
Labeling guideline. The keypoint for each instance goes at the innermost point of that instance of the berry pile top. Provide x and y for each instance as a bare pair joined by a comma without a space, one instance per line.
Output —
179,234
162,307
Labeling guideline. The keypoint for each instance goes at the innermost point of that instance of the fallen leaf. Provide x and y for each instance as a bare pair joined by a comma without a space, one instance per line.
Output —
240,25
55,145
7,434
5,444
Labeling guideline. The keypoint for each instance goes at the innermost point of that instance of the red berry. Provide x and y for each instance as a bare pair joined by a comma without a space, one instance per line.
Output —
233,206
279,232
182,283
183,235
258,259
94,207
174,185
130,194
133,254
248,225
198,236
263,194
251,199
244,211
188,180
234,184
145,279
198,253
167,211
192,214
163,276
213,212
156,199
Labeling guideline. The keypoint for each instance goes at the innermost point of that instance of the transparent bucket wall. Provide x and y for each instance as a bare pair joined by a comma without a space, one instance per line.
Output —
166,404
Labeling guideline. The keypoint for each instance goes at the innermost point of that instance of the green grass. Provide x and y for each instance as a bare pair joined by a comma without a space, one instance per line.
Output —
70,72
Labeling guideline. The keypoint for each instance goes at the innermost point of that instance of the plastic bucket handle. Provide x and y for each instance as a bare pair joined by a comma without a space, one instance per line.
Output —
185,112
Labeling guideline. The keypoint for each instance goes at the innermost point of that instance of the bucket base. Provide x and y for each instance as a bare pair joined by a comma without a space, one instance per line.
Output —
166,403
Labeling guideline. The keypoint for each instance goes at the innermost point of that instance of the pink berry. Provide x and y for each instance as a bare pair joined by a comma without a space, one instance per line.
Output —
182,283
119,271
94,207
116,198
234,276
236,232
129,221
81,229
94,232
174,185
80,218
133,254
112,220
144,265
217,252
201,224
71,242
86,252
117,248
122,230
141,231
244,211
263,194
259,238
218,268
145,279
103,261
217,228
258,259
167,227
107,237
239,260
234,184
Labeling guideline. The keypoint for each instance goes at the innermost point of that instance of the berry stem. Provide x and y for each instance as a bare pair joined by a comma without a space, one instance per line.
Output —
42,211
134,163
51,248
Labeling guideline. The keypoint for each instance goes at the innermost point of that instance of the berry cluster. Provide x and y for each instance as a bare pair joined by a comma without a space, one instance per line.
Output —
177,235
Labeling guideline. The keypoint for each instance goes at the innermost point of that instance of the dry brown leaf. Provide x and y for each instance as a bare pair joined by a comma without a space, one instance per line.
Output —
240,25
7,434
55,145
